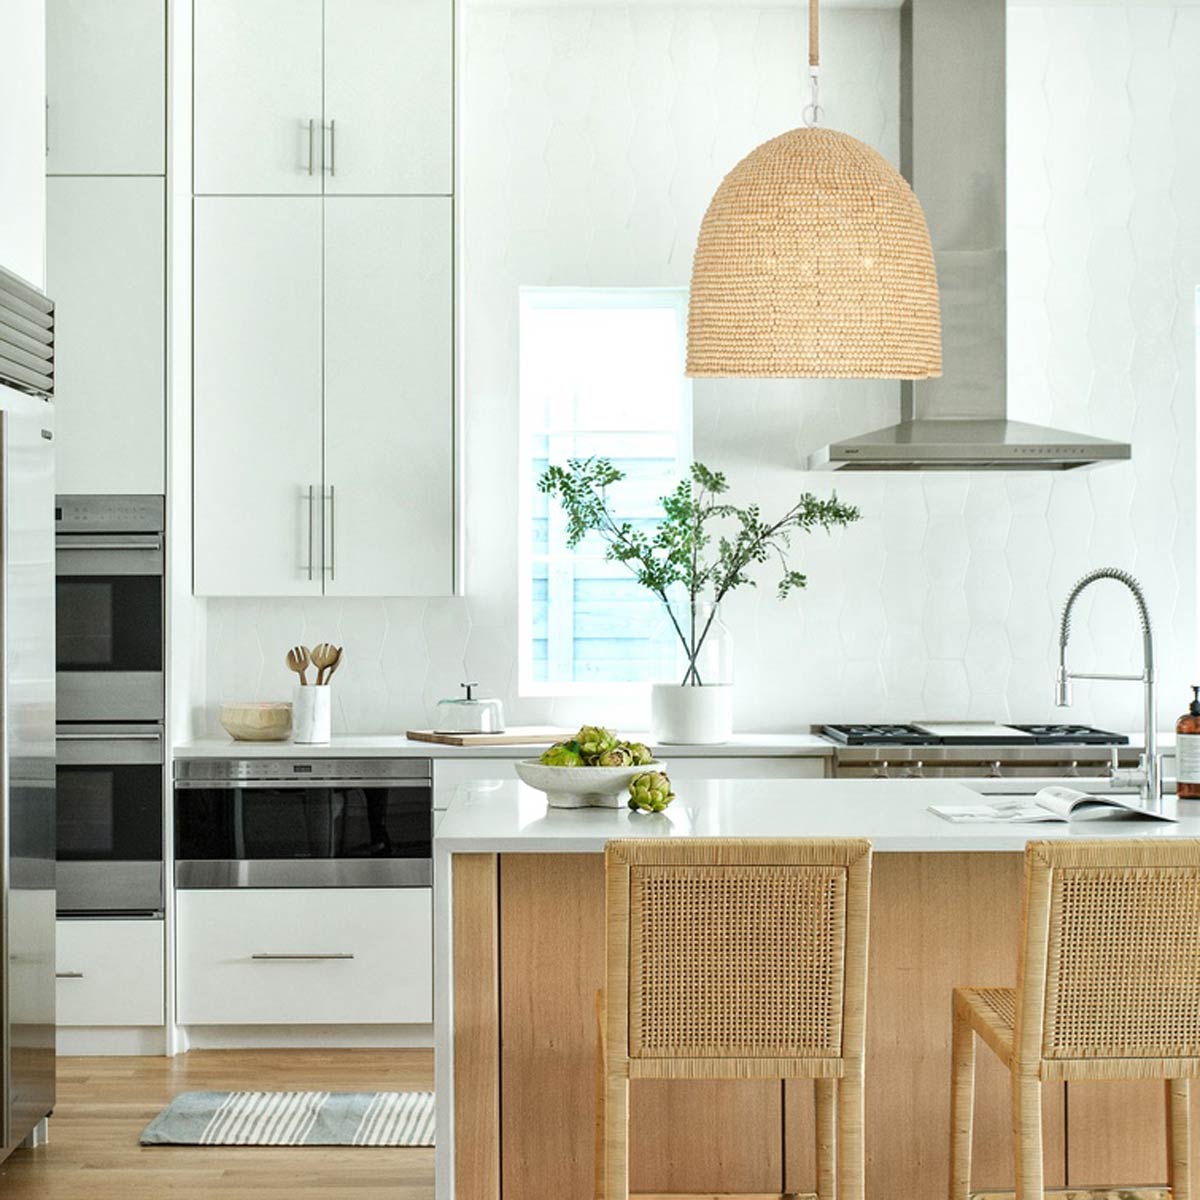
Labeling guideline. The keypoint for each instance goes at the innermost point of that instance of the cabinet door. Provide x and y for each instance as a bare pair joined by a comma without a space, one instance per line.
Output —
105,272
388,96
106,71
389,421
109,972
257,97
257,396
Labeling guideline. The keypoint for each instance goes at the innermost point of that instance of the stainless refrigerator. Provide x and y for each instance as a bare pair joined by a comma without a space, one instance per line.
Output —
27,827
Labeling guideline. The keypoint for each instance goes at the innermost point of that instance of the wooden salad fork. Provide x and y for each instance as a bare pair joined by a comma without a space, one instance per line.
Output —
298,659
324,657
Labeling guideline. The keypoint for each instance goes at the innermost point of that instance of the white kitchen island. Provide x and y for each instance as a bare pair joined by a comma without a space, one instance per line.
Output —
520,899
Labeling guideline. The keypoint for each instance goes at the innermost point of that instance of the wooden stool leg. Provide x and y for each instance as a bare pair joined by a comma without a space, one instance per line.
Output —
601,1072
850,1164
1179,1164
1027,1135
826,1101
962,1107
616,1138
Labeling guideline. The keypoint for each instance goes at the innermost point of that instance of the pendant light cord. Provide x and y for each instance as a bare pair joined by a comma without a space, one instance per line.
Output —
812,110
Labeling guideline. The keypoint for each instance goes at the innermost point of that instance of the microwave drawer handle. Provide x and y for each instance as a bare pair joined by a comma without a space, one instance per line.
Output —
68,974
301,957
294,785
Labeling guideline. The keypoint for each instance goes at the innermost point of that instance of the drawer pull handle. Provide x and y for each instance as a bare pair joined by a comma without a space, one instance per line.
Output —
68,974
299,957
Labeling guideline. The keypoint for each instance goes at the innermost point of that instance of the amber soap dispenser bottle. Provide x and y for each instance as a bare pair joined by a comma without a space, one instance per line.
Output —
1187,749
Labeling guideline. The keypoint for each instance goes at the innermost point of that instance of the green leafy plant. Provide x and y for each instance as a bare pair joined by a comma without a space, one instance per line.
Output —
704,546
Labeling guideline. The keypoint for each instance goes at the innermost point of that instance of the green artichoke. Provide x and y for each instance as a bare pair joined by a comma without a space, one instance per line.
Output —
650,792
594,741
639,754
618,756
562,754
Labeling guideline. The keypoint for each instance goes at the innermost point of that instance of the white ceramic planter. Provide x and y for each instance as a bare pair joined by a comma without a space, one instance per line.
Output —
691,716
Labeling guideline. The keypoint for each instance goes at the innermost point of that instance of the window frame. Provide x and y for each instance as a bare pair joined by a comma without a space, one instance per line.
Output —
578,297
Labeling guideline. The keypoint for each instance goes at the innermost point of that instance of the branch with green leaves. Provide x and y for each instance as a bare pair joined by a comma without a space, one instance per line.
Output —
703,544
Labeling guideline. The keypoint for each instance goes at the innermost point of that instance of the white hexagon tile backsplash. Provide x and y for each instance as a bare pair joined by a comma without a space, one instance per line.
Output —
593,137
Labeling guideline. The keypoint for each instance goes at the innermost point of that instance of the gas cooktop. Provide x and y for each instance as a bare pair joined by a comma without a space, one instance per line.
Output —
971,733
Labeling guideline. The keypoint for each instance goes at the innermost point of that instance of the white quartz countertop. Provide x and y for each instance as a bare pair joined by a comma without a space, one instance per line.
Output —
506,817
743,745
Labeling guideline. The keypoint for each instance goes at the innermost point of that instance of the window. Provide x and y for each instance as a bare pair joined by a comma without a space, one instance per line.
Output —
602,374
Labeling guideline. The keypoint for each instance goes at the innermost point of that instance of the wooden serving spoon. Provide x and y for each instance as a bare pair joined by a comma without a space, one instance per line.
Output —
324,656
298,659
337,662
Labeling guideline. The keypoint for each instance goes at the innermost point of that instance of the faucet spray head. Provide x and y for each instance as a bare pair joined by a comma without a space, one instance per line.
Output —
1062,689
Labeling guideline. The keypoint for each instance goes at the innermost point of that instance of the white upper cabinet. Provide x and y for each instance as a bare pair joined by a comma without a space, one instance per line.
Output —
106,71
388,97
257,109
345,97
389,437
257,396
105,271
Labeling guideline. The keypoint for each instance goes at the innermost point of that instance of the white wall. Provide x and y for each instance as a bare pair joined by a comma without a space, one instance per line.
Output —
22,139
593,138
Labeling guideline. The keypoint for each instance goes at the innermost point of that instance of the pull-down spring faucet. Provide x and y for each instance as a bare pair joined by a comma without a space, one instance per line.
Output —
1151,784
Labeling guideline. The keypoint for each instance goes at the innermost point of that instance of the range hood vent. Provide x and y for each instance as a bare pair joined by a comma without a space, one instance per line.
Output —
26,337
952,150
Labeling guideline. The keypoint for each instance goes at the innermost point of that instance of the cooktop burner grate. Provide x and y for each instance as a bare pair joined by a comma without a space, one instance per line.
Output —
911,735
879,735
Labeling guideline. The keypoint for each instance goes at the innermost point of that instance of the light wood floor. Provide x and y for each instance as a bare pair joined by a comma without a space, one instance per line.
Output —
104,1103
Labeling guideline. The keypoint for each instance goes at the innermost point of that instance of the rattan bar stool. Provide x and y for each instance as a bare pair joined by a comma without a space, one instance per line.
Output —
1108,987
737,959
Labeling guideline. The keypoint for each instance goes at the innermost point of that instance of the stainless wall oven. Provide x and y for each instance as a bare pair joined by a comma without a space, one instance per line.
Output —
109,650
322,822
109,608
110,820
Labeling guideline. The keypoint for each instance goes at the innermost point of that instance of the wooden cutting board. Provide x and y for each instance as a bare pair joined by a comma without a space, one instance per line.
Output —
518,735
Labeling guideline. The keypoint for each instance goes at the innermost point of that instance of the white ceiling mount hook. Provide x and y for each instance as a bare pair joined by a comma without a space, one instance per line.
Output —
813,112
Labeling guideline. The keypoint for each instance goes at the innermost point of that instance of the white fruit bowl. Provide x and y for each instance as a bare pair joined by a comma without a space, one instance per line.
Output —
582,787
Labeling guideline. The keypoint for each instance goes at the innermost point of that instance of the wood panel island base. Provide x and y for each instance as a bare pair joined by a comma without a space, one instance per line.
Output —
521,915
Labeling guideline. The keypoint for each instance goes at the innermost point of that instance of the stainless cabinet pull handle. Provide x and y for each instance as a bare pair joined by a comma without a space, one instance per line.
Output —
332,533
311,502
47,127
332,148
300,957
68,974
83,541
311,158
108,737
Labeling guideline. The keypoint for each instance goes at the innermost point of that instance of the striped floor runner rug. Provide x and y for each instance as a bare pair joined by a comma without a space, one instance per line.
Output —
294,1119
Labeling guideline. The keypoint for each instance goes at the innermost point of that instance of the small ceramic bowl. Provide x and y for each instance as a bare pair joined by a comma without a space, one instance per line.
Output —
582,787
262,721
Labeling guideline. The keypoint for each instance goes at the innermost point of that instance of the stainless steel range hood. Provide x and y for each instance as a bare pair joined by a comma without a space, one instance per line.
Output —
952,125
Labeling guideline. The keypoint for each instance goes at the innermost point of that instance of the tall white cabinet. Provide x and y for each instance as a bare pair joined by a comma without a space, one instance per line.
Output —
257,386
106,240
324,298
106,80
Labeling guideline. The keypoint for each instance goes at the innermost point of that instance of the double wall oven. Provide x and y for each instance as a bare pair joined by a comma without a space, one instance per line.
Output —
109,558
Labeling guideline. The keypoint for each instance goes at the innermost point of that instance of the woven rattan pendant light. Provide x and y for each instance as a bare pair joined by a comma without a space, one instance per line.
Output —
814,260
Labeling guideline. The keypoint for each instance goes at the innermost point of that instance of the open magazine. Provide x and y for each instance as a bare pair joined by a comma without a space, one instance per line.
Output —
1053,803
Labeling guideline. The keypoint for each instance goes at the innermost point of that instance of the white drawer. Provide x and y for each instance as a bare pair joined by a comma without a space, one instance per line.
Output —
283,956
109,972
